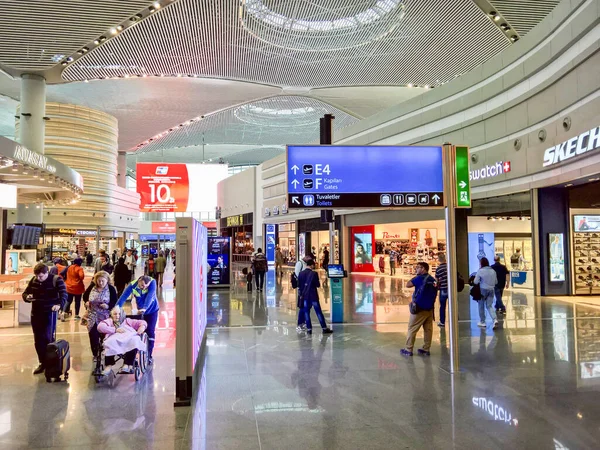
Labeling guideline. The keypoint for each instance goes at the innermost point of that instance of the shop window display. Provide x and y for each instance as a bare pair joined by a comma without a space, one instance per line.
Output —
586,254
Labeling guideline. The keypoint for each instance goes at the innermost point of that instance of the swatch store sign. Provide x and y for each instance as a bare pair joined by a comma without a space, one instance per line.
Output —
490,171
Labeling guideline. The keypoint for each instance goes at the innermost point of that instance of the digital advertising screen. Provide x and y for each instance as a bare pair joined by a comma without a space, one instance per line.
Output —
218,261
557,257
586,224
178,187
480,245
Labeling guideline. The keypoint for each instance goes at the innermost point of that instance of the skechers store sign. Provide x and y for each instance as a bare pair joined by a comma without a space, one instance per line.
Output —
585,142
499,168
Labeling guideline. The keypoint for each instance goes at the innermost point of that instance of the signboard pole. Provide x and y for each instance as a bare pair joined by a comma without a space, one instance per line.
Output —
450,186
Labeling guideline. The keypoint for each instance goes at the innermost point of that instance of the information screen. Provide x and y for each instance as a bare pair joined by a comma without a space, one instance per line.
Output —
321,177
335,271
218,261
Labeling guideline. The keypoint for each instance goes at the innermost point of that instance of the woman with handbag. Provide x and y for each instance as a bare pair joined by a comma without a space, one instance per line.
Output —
486,280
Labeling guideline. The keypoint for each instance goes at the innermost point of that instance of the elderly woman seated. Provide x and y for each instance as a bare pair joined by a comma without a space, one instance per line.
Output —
122,337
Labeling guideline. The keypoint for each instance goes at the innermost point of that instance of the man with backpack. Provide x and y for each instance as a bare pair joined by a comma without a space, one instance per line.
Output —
260,267
48,295
308,283
421,310
298,268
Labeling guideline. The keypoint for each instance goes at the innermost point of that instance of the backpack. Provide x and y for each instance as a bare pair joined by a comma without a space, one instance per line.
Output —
294,280
514,259
426,294
260,262
460,282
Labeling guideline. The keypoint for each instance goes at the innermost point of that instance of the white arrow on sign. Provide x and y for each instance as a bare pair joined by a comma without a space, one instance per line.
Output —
295,169
462,184
436,199
295,183
295,200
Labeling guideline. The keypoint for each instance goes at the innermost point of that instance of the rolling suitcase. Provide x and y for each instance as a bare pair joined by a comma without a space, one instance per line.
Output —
58,356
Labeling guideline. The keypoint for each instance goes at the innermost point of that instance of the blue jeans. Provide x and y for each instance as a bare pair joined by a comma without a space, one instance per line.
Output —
259,276
308,304
487,301
498,293
443,301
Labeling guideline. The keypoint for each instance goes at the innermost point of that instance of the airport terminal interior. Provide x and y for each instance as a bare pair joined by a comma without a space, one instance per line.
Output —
300,224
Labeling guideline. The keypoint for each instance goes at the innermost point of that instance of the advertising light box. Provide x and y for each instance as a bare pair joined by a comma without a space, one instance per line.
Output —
178,187
336,176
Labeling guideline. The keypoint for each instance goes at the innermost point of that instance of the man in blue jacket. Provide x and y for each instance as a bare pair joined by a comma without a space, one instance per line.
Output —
48,294
143,291
308,283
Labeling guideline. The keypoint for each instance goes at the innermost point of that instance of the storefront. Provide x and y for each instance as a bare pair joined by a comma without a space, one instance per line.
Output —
501,226
313,238
240,229
58,241
286,240
407,242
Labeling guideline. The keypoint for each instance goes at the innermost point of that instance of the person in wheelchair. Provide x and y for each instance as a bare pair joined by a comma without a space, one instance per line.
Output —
145,304
122,336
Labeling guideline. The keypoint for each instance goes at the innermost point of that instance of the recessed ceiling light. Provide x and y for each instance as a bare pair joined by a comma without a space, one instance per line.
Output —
426,86
496,18
69,59
156,5
113,31
102,38
96,42
64,63
120,28
568,184
86,81
514,38
594,179
410,85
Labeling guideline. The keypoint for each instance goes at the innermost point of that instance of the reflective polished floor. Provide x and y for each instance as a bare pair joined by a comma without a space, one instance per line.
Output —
534,383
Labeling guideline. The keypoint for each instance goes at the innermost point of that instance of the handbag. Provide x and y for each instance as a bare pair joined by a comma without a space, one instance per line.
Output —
476,292
413,308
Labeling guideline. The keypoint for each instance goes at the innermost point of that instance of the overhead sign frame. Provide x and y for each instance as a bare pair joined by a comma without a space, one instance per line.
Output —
331,197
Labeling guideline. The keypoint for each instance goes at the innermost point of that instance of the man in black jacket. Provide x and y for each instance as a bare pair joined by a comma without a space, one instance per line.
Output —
48,294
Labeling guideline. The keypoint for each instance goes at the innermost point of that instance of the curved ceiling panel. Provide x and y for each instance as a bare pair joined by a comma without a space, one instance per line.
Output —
274,121
42,32
523,15
318,43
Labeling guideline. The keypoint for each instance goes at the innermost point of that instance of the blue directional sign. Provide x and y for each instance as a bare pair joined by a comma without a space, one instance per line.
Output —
336,176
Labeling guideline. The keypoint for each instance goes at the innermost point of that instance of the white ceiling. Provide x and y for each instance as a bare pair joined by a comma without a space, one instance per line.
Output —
191,58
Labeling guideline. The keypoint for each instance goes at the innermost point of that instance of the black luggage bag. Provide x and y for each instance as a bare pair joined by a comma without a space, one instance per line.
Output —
58,356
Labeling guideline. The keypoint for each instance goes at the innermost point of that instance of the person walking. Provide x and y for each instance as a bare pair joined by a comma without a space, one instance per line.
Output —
130,263
487,280
99,298
99,261
298,268
48,295
308,283
393,259
421,310
159,267
441,279
105,265
122,275
325,264
150,268
503,281
278,262
260,267
75,287
144,303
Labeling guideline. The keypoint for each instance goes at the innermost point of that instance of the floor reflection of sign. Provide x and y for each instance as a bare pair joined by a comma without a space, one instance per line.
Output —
561,337
271,288
496,411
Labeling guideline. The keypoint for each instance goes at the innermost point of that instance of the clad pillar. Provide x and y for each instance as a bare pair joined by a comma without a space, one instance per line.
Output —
32,111
122,170
31,132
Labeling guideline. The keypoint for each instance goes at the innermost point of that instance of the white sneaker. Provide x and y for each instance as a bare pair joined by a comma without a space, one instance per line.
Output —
481,324
107,371
495,325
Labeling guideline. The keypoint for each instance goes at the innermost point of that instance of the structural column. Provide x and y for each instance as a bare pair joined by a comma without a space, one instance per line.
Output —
122,169
32,111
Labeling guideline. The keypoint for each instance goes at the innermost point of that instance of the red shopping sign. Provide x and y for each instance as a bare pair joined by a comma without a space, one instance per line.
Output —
163,187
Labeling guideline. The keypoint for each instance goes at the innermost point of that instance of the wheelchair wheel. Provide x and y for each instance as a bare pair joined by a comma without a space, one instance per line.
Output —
137,372
143,355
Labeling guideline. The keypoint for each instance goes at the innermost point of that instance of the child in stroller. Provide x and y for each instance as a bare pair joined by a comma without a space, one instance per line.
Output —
122,336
